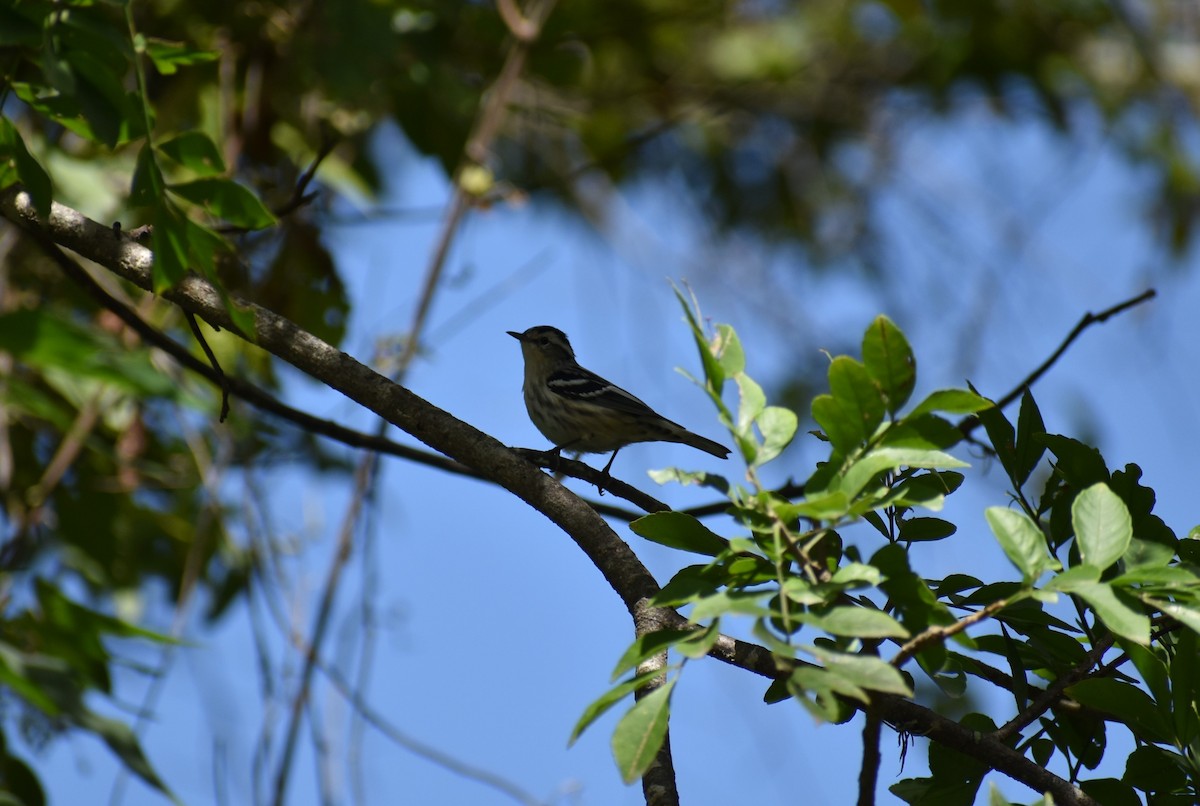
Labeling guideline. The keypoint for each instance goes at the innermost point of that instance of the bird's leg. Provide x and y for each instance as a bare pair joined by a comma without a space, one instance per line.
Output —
605,472
611,459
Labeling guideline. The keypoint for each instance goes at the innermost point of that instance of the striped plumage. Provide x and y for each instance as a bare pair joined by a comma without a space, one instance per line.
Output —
578,410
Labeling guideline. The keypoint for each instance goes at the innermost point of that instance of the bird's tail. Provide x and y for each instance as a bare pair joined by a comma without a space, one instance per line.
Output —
701,443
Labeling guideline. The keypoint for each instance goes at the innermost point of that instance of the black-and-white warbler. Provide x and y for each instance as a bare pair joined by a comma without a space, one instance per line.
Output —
578,410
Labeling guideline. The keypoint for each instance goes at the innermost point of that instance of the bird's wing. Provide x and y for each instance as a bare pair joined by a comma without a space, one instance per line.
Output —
577,383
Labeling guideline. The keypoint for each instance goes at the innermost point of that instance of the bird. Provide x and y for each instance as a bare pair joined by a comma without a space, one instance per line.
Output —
578,410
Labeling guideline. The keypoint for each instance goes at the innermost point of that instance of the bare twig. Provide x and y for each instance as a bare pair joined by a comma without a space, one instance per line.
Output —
970,423
222,380
940,634
1054,691
345,543
352,694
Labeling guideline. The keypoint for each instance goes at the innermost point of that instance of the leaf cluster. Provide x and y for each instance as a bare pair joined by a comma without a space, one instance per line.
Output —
1095,632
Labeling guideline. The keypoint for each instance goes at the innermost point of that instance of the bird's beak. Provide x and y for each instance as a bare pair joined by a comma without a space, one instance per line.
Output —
518,336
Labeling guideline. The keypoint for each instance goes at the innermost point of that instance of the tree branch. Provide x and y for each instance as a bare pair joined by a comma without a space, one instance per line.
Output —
906,715
396,404
970,423
1046,700
868,774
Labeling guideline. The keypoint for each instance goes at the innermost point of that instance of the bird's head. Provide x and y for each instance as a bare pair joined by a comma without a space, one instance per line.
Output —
544,345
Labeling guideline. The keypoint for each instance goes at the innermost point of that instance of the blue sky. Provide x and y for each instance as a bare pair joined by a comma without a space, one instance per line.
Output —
493,632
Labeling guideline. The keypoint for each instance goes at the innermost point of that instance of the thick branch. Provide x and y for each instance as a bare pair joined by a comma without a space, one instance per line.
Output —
658,781
906,715
429,424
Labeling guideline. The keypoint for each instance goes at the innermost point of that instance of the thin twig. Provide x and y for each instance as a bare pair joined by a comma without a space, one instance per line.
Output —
970,423
352,695
940,634
1054,691
345,543
222,380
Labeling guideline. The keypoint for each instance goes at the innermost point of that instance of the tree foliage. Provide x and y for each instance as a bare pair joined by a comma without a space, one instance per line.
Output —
205,129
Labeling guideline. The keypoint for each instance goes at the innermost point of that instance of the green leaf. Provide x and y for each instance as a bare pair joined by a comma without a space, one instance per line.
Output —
858,395
806,680
689,477
641,732
1155,769
19,671
839,425
1067,580
1022,541
102,98
709,354
854,575
747,603
950,401
928,490
890,362
21,786
647,646
864,671
169,242
819,507
169,56
778,426
917,607
29,170
1081,465
1127,703
123,742
1153,544
195,151
1115,611
875,462
858,622
1003,438
752,401
607,700
1188,616
1161,577
82,621
1184,685
925,530
679,531
148,184
1103,528
700,642
1029,446
1110,792
922,431
227,200
731,356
